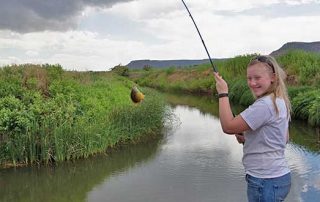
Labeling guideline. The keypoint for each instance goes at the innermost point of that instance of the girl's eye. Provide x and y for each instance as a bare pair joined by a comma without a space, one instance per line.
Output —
253,78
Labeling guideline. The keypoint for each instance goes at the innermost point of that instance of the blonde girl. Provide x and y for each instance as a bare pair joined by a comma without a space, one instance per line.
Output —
265,128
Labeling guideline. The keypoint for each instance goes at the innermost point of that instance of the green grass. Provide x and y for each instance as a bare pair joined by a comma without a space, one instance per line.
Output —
302,68
58,116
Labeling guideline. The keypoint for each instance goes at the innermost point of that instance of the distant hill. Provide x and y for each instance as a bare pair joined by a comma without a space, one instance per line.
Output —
306,46
139,64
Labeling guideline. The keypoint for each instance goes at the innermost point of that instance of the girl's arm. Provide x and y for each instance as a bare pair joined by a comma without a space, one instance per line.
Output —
229,123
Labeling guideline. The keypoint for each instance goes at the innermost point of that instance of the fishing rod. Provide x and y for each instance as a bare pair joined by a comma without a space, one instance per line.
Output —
214,68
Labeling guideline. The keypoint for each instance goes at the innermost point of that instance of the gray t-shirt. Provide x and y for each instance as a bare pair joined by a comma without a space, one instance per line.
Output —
263,151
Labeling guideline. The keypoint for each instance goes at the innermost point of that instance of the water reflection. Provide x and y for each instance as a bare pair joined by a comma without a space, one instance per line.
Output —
71,181
304,136
192,162
301,134
196,162
303,151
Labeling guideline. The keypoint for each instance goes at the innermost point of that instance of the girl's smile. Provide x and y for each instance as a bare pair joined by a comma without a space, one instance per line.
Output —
259,78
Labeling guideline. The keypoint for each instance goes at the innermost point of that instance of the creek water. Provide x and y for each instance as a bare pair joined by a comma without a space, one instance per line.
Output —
193,161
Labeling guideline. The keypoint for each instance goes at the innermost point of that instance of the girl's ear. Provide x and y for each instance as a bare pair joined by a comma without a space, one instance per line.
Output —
273,77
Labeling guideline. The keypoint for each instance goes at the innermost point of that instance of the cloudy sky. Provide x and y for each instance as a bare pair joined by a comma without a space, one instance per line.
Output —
99,34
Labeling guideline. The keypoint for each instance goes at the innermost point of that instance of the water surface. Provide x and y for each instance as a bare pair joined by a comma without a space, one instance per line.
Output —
192,162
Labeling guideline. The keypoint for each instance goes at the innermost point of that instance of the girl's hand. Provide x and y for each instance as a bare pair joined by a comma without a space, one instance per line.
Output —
240,138
221,84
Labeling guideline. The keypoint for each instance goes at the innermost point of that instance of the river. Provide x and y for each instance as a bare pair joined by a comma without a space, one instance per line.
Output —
193,161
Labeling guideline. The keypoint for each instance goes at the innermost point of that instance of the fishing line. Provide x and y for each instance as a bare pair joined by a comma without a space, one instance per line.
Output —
205,47
214,68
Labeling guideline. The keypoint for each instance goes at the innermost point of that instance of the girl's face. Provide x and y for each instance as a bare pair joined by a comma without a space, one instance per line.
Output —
259,78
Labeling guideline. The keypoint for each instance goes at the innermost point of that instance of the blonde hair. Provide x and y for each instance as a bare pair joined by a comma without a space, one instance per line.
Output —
278,87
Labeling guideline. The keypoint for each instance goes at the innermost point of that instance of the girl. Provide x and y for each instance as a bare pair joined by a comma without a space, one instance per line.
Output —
265,128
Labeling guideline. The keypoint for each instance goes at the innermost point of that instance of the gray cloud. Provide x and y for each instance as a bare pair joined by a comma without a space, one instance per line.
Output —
38,15
278,10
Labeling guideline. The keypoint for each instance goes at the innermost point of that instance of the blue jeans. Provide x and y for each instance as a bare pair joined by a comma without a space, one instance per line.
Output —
268,189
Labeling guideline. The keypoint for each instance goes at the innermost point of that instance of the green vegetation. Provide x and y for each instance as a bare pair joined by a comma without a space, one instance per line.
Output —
49,115
303,80
121,70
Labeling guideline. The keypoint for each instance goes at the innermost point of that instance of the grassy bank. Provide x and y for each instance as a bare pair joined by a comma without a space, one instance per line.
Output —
303,81
50,115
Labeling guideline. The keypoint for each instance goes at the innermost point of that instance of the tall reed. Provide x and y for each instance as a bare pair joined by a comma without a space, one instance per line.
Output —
70,115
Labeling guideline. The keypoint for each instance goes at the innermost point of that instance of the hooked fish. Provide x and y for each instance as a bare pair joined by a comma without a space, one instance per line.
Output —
136,95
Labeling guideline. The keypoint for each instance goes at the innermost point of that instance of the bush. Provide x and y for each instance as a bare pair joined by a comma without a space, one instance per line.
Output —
170,70
13,115
147,68
293,91
306,106
121,70
237,89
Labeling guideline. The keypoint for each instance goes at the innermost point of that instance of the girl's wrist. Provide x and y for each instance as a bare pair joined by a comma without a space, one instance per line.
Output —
221,95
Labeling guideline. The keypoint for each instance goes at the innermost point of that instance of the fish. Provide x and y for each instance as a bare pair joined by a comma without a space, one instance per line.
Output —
136,95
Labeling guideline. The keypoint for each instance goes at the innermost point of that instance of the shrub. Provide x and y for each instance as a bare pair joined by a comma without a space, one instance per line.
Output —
121,70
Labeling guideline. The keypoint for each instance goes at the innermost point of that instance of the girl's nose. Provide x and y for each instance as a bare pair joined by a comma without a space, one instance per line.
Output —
251,83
